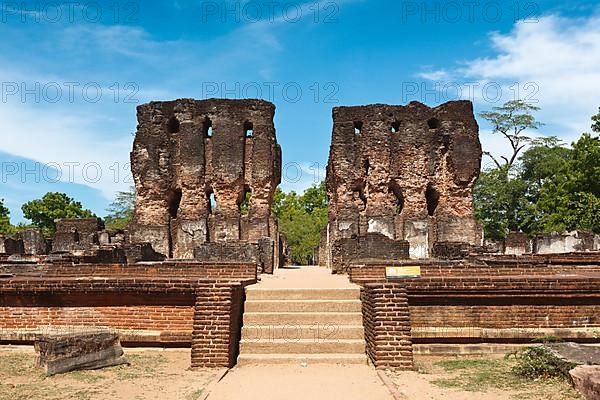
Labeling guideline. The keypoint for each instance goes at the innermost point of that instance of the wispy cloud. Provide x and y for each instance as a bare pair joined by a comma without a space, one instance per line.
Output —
553,63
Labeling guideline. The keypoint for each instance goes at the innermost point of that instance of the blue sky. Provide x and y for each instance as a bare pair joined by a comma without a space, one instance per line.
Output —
73,75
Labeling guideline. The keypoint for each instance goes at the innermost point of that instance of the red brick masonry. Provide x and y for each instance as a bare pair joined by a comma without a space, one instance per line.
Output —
386,319
205,310
500,295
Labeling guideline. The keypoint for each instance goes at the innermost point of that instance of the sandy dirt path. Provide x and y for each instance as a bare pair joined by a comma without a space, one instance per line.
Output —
294,382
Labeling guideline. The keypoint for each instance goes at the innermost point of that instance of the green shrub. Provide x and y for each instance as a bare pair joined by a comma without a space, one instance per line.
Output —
538,362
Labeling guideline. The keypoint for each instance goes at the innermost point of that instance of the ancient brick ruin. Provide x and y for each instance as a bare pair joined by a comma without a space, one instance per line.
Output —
405,173
195,165
400,181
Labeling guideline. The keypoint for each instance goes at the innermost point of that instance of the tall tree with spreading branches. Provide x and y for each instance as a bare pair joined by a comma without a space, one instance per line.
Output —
512,120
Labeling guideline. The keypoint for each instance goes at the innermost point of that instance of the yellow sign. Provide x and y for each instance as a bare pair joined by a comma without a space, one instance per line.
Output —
412,271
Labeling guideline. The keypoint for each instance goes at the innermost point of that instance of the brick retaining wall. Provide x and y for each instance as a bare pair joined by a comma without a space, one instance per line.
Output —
147,306
505,301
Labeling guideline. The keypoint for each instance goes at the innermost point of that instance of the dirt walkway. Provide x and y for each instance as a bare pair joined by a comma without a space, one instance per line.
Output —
294,382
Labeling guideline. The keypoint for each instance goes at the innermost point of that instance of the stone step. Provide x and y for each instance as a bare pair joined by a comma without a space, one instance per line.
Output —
251,359
302,306
294,332
302,294
302,346
303,318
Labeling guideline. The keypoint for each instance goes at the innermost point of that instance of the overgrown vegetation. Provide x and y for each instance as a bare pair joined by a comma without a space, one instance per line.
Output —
485,374
546,187
537,362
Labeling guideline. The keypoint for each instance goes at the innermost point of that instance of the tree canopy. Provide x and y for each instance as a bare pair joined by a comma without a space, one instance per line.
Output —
512,120
120,211
53,205
548,187
5,226
301,219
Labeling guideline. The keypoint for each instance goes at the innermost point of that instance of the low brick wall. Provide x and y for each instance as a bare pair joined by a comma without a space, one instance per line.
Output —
215,270
503,302
144,305
386,320
537,265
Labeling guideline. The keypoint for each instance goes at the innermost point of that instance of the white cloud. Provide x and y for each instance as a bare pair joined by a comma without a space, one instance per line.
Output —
554,62
438,75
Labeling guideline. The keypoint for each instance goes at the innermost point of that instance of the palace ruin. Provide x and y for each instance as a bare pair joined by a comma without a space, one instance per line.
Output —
400,182
403,175
205,173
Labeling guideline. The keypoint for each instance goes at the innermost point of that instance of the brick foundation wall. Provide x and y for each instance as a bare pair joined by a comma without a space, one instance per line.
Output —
205,312
502,302
496,266
386,320
214,270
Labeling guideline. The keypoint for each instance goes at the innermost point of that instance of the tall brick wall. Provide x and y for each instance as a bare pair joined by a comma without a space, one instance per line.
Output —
193,163
386,320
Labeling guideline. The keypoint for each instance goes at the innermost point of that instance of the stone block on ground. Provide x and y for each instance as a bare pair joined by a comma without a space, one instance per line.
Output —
575,353
586,379
60,353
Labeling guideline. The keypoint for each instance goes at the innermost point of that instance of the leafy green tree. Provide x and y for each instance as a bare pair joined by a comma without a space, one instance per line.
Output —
540,164
302,218
511,120
120,211
500,195
571,200
52,206
5,226
501,204
596,122
314,198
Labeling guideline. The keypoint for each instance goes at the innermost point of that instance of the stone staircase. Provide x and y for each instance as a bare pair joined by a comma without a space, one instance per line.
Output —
297,325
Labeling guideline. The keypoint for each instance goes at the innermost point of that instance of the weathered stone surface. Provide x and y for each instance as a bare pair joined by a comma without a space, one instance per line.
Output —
517,243
586,379
575,353
405,172
76,234
60,353
33,242
564,242
361,248
194,162
11,246
230,252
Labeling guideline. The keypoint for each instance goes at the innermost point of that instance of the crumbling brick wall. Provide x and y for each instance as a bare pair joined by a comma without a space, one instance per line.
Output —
190,154
406,172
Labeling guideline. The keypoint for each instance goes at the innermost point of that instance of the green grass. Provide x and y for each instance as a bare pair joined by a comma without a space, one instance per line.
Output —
478,375
482,375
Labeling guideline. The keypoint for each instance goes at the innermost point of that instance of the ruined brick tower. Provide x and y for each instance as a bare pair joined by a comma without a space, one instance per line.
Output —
195,164
400,174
